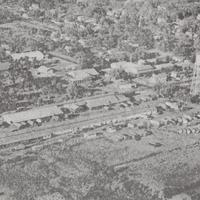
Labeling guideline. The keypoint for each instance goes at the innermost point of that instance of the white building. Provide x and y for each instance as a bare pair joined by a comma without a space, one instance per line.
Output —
31,55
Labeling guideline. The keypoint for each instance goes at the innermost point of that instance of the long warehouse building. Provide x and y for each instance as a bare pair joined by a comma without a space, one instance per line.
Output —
33,114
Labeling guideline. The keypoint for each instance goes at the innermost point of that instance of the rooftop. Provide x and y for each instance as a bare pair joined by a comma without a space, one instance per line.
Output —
82,74
43,26
62,56
43,72
54,196
32,54
105,100
4,66
164,66
131,67
33,114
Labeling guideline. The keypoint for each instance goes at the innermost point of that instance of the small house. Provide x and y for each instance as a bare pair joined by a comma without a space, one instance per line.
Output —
43,72
31,55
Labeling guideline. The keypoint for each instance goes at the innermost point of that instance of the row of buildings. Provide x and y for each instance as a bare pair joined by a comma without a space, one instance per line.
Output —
46,113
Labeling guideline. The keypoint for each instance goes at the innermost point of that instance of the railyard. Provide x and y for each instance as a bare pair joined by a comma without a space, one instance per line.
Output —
99,100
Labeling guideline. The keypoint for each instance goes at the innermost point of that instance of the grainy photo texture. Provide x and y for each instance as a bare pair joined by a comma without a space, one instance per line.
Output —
99,99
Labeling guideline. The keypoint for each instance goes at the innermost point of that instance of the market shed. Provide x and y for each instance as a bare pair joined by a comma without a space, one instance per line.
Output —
105,101
32,114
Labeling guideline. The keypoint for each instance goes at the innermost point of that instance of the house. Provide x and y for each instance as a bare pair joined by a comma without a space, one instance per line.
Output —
163,59
34,114
43,72
133,68
35,6
82,76
31,55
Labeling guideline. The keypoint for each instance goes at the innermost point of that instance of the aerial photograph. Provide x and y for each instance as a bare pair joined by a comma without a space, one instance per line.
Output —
99,99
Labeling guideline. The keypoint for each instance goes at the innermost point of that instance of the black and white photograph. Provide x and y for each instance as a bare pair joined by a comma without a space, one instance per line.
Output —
99,99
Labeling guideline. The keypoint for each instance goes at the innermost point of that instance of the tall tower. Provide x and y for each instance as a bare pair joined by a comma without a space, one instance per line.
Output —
195,87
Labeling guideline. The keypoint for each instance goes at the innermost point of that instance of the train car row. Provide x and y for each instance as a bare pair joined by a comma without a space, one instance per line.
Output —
29,140
44,134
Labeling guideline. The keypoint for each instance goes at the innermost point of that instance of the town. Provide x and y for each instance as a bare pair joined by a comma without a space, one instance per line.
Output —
100,99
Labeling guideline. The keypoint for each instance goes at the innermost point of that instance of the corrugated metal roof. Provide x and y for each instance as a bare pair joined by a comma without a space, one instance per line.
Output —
104,101
36,113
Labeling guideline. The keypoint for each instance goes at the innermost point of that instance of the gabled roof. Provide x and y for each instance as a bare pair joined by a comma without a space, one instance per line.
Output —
33,114
82,74
106,100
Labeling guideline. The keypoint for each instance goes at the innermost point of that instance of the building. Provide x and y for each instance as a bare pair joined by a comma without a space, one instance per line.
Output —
125,88
35,6
63,57
60,66
28,94
43,72
133,68
31,55
54,196
31,115
4,67
165,67
181,196
82,76
49,27
106,100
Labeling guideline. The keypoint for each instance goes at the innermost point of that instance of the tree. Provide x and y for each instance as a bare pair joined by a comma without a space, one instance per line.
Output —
74,90
120,74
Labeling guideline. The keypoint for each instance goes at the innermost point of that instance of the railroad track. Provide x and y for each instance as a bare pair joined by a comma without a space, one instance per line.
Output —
17,137
28,134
